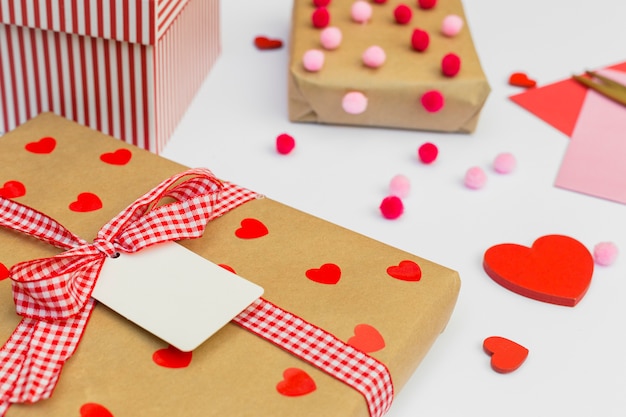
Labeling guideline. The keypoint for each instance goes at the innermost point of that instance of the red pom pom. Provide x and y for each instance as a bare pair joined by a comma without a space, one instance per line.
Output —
380,1
420,40
450,65
285,143
403,14
432,101
321,3
391,207
428,152
320,17
426,4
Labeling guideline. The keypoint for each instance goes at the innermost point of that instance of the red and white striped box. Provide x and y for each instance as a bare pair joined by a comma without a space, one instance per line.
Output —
128,68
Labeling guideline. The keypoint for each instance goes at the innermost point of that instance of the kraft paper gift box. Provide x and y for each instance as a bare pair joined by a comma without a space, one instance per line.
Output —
394,90
126,68
374,303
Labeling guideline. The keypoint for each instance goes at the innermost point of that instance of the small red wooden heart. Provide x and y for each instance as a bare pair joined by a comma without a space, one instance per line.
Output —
519,79
12,189
42,146
94,410
405,271
4,271
263,42
119,157
251,229
171,357
86,202
296,382
556,269
506,355
367,339
326,274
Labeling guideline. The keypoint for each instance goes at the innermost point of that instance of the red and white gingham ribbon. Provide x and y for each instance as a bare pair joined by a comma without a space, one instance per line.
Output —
54,294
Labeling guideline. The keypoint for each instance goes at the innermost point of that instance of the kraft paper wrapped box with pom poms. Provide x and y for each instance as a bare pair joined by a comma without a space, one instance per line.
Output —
342,324
407,65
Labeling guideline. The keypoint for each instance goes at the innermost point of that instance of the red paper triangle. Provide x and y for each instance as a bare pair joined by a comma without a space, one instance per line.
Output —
618,67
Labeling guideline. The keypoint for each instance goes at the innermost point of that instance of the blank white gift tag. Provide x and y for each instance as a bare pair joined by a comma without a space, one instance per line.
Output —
174,293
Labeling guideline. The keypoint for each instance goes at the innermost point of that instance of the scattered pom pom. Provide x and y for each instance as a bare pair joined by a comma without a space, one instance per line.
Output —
354,102
475,178
399,186
451,25
428,152
391,207
504,163
361,11
604,253
432,101
313,60
403,14
420,40
374,56
321,3
330,38
450,65
426,4
320,17
285,143
380,1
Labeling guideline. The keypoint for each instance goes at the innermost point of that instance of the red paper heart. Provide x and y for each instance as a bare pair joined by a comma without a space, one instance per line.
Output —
405,271
12,189
519,79
172,357
556,269
506,355
86,202
228,268
366,338
4,271
251,229
296,382
94,410
326,274
43,145
118,157
263,42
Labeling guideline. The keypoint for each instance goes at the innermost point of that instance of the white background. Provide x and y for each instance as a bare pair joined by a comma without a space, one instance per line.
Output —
577,364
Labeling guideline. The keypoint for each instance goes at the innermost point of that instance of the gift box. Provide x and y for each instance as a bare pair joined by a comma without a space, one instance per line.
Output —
126,68
384,305
396,85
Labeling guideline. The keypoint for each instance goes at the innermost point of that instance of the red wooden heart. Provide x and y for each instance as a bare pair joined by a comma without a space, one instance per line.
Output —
172,357
43,145
556,269
86,202
326,274
263,42
506,355
405,271
94,410
118,157
12,189
519,79
296,382
251,229
4,271
367,339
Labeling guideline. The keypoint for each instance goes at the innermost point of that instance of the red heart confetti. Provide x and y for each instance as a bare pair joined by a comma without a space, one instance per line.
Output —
556,269
326,274
4,271
405,271
171,357
367,339
12,189
86,202
265,43
94,410
251,229
506,355
42,146
118,157
296,382
519,79
227,267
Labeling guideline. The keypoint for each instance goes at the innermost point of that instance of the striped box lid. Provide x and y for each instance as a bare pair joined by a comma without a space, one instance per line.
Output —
134,21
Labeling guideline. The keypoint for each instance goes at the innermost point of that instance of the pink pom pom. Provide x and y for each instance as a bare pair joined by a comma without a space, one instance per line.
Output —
403,14
450,65
428,152
313,60
426,4
361,11
399,186
330,38
475,178
285,143
432,101
374,56
451,25
504,163
420,40
320,17
354,103
391,207
605,253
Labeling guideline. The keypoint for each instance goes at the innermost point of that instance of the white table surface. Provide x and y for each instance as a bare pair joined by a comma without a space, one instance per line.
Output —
577,361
